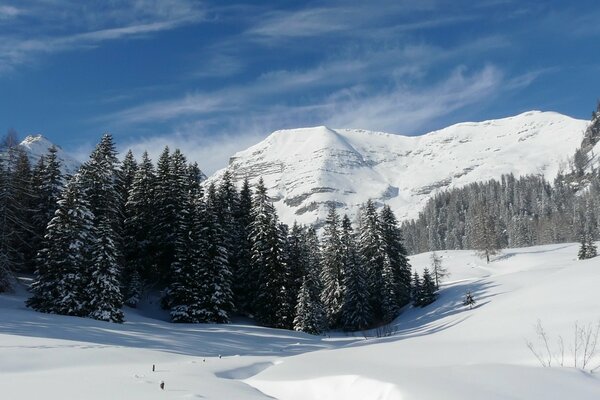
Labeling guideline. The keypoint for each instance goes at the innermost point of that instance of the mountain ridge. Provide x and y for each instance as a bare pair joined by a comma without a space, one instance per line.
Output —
307,169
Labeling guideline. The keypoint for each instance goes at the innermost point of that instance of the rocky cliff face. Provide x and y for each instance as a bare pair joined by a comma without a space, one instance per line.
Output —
307,169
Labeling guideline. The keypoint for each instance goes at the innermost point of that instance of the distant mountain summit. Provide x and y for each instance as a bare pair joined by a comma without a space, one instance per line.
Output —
37,145
307,169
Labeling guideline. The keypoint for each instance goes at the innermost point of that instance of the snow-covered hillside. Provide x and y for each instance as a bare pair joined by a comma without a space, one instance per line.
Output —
306,169
38,145
443,351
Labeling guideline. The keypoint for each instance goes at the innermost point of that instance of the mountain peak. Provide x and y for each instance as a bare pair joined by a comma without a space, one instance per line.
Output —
37,145
308,169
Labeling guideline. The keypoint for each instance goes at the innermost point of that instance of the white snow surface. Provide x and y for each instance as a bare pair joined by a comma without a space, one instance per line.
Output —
307,169
443,351
38,145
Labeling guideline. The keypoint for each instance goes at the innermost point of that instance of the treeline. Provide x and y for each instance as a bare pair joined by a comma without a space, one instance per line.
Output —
515,212
100,238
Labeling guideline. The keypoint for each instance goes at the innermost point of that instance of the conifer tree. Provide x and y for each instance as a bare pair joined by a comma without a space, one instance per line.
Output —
61,276
428,290
244,280
356,309
332,268
438,270
184,294
215,294
310,314
266,259
396,268
372,253
47,183
416,290
103,292
140,209
163,235
296,260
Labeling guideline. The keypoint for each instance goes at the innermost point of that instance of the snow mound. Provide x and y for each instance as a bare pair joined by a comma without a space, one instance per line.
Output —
347,387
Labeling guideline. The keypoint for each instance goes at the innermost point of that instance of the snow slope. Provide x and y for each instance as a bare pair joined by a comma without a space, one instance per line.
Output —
38,145
307,169
443,351
447,351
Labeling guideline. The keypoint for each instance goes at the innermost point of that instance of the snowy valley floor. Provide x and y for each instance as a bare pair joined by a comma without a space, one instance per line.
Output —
443,351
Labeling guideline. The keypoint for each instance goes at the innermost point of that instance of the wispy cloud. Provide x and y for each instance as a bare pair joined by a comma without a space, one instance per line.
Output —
33,31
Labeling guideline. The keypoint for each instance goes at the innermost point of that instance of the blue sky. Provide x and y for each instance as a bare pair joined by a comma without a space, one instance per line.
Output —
216,77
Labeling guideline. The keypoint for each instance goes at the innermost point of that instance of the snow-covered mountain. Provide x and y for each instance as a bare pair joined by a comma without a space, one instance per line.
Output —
307,169
38,145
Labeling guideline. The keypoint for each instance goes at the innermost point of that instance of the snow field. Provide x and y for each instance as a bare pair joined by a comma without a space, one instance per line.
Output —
442,351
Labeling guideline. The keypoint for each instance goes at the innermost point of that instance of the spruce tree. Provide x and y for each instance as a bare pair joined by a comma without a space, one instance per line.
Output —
140,209
396,268
266,259
103,292
61,276
356,309
183,295
215,293
332,268
372,253
244,279
428,290
165,213
310,314
416,290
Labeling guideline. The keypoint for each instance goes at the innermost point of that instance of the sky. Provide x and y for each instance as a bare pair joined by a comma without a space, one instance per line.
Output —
214,77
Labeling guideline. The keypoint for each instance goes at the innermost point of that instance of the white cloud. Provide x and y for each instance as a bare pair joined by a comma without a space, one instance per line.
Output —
66,25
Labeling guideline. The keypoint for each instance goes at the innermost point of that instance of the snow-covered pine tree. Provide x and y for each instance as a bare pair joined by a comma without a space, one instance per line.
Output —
103,292
139,248
6,265
61,276
20,203
310,314
428,290
47,183
227,203
100,177
356,309
397,270
286,309
244,281
216,297
183,295
267,265
165,213
372,253
416,290
297,260
332,267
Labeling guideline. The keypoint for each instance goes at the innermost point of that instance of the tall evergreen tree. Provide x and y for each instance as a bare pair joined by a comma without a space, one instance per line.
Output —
356,309
310,314
266,259
373,256
61,276
244,278
215,279
140,249
332,267
103,292
396,268
428,290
